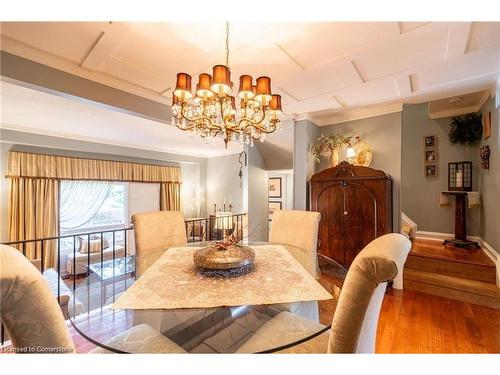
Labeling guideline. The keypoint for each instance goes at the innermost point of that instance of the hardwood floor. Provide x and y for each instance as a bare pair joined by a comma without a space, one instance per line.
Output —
435,249
414,322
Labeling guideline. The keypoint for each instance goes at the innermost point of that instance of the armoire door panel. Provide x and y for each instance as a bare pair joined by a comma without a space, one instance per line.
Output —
360,218
330,226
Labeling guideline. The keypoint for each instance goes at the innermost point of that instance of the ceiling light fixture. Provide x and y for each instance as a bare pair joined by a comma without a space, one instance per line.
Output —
211,110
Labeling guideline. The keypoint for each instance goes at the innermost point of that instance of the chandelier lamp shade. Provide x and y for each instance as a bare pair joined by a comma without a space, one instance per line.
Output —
214,109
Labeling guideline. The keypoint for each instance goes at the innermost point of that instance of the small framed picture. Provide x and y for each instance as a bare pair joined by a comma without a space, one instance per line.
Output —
431,170
430,141
275,187
274,206
430,156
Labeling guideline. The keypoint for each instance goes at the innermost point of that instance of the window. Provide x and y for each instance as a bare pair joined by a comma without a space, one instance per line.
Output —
87,206
91,206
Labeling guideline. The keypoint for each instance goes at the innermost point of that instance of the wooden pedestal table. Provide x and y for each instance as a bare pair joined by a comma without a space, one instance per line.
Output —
460,239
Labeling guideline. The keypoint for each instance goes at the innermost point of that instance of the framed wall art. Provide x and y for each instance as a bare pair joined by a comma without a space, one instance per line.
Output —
431,170
275,187
430,141
430,156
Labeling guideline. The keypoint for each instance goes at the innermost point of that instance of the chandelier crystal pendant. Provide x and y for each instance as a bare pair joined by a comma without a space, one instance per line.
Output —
211,110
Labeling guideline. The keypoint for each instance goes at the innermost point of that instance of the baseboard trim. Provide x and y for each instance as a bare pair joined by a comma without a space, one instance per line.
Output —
489,250
493,255
411,223
438,236
486,247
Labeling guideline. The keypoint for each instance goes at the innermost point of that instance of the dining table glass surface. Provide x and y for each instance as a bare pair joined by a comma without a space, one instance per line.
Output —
224,329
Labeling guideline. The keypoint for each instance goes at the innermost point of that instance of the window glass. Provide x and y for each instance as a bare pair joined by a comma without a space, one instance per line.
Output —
92,205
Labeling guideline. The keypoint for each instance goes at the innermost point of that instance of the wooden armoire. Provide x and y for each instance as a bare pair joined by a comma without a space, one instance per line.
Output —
355,203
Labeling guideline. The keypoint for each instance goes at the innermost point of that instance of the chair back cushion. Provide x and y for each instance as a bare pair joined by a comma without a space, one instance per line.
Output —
354,325
154,233
298,229
29,311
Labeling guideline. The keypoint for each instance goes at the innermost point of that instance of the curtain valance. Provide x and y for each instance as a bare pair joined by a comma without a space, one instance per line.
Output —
27,165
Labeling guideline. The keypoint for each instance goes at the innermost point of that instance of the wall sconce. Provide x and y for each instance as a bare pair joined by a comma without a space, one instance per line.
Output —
240,174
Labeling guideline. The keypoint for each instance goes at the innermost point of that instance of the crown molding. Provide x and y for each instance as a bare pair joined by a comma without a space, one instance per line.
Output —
300,116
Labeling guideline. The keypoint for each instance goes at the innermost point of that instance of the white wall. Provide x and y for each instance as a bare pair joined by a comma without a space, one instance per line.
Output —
193,192
223,184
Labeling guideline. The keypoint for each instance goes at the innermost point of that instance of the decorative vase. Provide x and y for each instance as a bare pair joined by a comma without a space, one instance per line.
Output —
334,158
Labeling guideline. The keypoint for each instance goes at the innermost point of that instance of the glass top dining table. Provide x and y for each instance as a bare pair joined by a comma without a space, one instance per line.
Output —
195,330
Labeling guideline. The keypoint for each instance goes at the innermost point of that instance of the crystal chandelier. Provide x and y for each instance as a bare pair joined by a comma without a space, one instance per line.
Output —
212,111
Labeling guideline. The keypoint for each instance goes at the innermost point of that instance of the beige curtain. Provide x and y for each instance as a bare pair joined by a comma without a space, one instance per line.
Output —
28,165
170,196
33,213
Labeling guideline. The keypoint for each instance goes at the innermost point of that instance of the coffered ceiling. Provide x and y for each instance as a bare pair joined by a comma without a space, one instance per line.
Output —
326,70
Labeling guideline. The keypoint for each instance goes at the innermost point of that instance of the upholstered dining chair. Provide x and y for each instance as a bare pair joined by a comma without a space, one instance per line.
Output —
35,323
354,326
154,233
298,232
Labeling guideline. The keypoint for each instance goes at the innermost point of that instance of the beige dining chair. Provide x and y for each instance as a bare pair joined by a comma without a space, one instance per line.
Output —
354,326
154,233
298,232
35,323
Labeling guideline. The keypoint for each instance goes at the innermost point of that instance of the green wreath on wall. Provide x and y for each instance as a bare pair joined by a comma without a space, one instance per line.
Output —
466,129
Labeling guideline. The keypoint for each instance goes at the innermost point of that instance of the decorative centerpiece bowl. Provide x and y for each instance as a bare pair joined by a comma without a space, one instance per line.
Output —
224,258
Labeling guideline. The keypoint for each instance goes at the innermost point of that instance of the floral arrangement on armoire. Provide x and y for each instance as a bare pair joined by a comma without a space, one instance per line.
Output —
338,148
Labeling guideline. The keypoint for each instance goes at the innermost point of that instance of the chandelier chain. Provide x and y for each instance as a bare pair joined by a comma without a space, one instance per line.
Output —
227,43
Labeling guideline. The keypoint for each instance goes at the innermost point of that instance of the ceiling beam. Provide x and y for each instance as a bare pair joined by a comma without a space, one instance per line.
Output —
458,38
44,78
360,78
388,30
403,85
